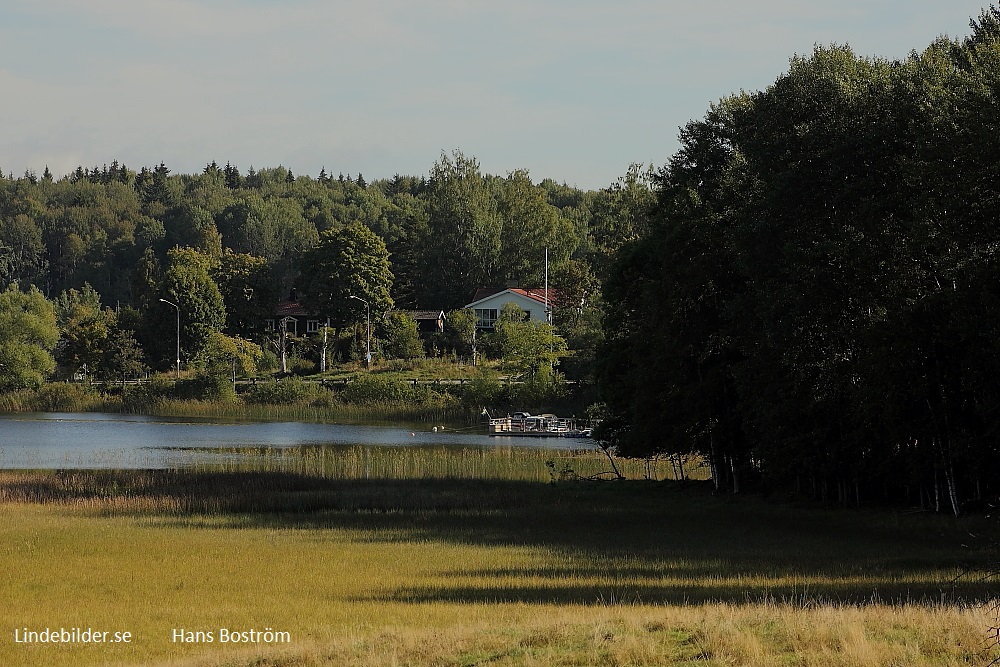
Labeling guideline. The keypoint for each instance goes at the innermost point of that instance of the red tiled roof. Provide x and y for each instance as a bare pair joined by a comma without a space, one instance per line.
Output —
289,308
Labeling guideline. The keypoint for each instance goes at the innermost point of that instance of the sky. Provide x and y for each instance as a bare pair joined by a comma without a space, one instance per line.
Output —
574,90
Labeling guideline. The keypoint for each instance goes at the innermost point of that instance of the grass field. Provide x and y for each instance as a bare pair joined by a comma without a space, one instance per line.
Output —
434,563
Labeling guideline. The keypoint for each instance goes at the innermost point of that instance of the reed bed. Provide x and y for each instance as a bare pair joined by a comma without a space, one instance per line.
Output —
459,463
379,411
79,398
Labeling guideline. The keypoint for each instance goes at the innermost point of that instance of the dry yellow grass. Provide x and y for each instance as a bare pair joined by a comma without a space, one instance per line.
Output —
451,572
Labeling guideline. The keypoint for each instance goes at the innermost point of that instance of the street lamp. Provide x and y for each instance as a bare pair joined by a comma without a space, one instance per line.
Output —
178,372
368,328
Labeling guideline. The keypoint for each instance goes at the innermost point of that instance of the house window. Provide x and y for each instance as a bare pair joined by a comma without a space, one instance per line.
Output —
269,325
312,326
486,318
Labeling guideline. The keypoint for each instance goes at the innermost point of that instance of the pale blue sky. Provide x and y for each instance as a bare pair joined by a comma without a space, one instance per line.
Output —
573,91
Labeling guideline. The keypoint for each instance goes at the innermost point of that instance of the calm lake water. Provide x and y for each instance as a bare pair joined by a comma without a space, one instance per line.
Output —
92,440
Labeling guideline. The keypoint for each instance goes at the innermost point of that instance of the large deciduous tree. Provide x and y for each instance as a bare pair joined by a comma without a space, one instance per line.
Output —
462,247
28,334
249,290
352,261
187,282
83,330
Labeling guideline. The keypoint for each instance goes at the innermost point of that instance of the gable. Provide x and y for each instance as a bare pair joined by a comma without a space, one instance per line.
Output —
488,309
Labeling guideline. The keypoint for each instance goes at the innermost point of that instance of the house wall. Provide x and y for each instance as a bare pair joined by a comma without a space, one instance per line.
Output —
535,309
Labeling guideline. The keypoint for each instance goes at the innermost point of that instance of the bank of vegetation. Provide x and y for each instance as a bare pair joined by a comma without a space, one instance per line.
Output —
363,397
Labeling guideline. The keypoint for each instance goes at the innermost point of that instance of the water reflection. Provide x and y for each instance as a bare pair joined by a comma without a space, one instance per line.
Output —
94,440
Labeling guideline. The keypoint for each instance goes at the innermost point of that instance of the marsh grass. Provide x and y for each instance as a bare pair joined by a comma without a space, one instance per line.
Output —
425,557
328,411
451,462
321,406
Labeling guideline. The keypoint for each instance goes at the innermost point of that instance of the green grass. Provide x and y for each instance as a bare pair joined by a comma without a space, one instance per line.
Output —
472,557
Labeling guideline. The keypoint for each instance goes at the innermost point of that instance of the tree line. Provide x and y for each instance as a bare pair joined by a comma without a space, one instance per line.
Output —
448,232
122,249
816,305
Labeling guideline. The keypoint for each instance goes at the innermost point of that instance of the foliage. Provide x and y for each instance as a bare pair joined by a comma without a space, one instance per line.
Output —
205,387
187,282
225,355
349,262
249,292
462,247
621,214
484,389
64,397
449,232
372,388
28,334
528,347
460,330
283,392
400,339
145,396
122,356
814,304
83,330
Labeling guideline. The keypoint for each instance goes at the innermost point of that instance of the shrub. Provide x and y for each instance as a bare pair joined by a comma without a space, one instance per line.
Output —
63,397
140,397
285,392
372,389
484,389
301,366
206,387
269,362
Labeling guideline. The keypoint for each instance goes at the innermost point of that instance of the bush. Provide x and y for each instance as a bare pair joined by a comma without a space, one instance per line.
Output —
206,387
301,366
285,392
137,398
373,389
540,390
483,390
64,397
269,362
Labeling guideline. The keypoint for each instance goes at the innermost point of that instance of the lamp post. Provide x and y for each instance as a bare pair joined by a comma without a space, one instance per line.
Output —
177,374
368,328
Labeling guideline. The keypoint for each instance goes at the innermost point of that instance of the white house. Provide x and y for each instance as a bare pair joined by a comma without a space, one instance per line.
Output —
488,302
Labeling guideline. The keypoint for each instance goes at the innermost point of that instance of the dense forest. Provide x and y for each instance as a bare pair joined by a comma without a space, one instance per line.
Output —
448,232
817,303
231,244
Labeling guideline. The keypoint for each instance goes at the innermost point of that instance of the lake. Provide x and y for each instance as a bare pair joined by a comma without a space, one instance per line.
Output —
95,440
